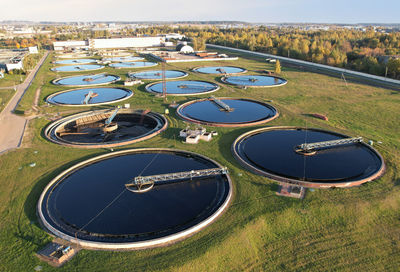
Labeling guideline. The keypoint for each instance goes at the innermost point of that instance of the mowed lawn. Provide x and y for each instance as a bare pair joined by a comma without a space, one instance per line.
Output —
355,229
5,96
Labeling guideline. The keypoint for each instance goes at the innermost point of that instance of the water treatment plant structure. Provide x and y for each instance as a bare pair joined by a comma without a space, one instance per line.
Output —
308,157
203,185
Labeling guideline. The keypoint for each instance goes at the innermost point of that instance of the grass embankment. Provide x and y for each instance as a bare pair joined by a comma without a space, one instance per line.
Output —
355,229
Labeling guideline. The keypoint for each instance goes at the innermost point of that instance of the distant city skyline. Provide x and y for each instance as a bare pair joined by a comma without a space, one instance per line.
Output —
253,11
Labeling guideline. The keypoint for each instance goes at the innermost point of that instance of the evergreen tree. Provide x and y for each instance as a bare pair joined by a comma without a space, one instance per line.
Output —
277,67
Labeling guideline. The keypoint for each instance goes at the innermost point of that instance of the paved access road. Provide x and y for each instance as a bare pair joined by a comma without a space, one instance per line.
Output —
12,126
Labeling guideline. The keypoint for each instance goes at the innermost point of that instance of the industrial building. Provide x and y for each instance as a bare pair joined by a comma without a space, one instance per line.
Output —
135,42
11,59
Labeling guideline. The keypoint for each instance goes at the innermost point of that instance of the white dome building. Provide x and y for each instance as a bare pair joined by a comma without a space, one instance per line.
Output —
184,48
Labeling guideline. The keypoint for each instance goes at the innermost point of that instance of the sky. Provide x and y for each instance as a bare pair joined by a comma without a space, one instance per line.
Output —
261,11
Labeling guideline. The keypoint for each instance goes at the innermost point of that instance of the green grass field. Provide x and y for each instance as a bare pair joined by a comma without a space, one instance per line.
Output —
5,96
355,229
11,80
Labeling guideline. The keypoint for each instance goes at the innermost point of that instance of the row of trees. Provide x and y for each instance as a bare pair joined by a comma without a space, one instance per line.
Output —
367,51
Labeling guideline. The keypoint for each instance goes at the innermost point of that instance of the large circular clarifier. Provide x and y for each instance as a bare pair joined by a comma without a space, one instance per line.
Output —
90,129
254,81
92,205
227,112
183,87
72,56
97,96
75,61
87,80
274,153
157,74
221,70
123,59
77,68
135,64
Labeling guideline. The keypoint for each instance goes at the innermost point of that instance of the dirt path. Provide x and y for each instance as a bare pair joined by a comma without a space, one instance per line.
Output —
12,126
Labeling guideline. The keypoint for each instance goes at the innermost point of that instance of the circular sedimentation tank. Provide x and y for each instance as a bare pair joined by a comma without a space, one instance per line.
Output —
274,152
227,112
72,56
183,87
134,64
91,204
89,129
98,96
221,70
75,61
77,68
123,59
254,81
157,74
86,80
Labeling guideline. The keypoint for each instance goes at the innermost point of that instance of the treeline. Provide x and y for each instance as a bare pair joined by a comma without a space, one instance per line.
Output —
365,51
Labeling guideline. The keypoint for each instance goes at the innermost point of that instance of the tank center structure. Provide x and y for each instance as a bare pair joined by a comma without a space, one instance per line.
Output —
106,128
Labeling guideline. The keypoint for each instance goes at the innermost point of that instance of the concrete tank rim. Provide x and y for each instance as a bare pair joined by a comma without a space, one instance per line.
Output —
69,64
379,173
203,66
285,81
116,61
79,71
54,81
133,67
53,125
147,88
131,93
171,78
216,124
164,241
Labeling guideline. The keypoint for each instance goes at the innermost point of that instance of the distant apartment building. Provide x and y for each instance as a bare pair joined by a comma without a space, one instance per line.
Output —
135,42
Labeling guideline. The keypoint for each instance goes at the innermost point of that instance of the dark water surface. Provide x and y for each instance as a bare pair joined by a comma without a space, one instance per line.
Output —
273,152
244,111
77,68
157,74
76,97
80,80
184,87
86,203
216,69
254,80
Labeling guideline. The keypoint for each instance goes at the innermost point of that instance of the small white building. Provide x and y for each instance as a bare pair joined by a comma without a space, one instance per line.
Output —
192,139
33,50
